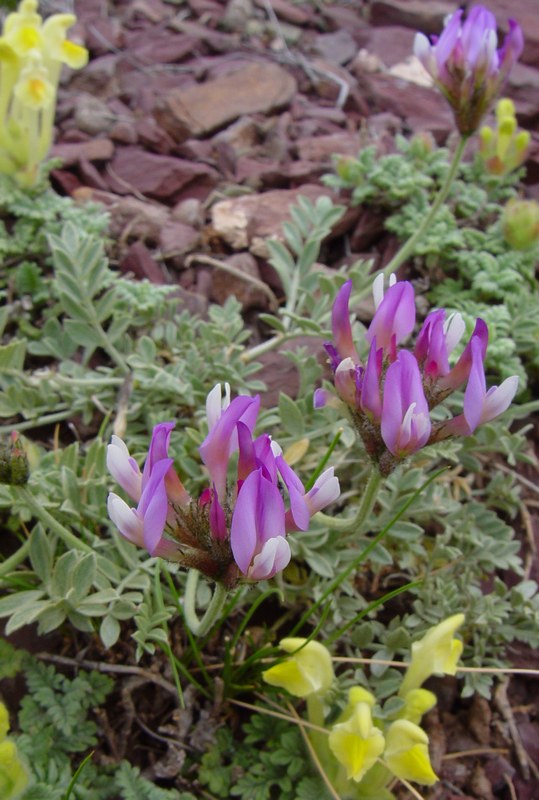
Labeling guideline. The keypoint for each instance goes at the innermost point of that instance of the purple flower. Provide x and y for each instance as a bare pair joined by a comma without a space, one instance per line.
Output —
465,64
480,405
456,376
257,532
123,468
145,525
325,490
394,318
405,424
237,524
222,440
340,324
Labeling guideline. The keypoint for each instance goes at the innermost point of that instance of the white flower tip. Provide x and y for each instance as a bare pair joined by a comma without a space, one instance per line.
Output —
421,47
378,289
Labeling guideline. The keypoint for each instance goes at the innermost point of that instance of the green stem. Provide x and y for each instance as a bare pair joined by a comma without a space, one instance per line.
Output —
45,419
355,523
40,512
14,560
107,345
200,627
270,344
408,248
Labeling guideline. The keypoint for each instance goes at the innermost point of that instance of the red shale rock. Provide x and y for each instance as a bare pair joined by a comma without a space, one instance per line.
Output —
200,109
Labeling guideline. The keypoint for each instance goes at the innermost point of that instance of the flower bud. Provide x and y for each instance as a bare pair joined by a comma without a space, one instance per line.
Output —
520,224
13,462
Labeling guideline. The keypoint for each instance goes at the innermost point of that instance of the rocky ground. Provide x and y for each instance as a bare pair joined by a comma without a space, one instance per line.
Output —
198,122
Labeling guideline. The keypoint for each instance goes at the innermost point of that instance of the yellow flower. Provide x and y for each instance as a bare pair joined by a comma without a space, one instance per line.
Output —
4,722
307,672
33,89
407,753
13,775
505,148
416,703
357,743
25,16
57,47
437,653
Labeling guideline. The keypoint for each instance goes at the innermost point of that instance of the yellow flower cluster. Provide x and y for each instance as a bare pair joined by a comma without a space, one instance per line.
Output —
371,751
32,52
13,775
505,147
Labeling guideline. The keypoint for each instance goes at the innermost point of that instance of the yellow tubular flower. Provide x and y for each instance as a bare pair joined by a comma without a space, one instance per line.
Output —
305,673
34,90
357,743
24,39
407,753
25,16
13,775
57,47
437,653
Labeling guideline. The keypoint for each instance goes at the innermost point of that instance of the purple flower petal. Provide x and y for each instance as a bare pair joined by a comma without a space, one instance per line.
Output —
370,387
259,515
394,319
222,440
340,323
405,425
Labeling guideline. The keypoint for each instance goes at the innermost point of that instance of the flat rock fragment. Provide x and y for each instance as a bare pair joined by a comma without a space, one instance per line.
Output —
199,109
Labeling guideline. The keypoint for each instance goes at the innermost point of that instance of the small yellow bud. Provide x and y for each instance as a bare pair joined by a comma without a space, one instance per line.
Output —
407,753
357,743
308,671
505,108
416,703
520,223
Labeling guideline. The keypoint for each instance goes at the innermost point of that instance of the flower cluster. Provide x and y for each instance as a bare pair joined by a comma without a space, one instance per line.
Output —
505,147
31,56
13,773
391,394
235,528
364,749
466,65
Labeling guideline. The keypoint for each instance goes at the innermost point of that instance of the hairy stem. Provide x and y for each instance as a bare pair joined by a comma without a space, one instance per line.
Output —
200,627
69,539
14,560
355,523
408,247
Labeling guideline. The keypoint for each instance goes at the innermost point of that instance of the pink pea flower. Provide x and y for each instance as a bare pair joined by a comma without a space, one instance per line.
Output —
145,525
324,491
405,424
394,318
480,405
123,468
257,532
460,372
466,65
222,440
